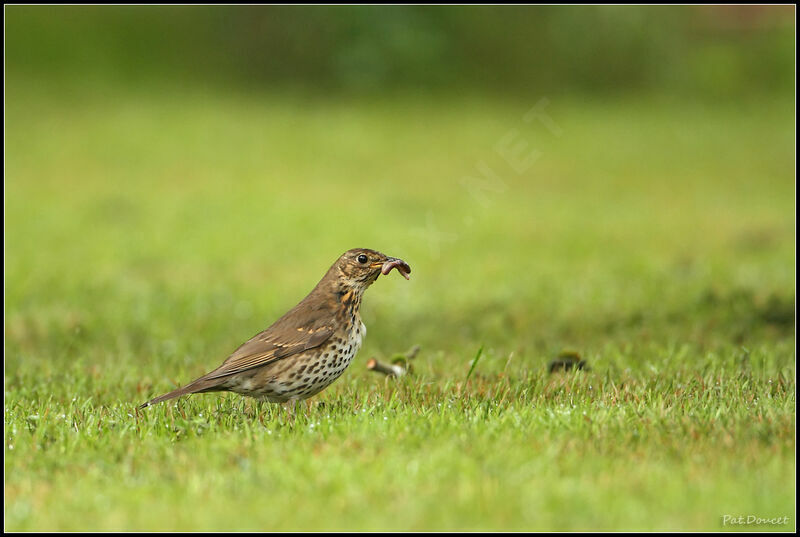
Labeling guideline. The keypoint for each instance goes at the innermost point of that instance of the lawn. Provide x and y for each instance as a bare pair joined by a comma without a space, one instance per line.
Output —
149,232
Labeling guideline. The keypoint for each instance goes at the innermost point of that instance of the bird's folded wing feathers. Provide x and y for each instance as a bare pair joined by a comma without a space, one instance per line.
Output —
269,346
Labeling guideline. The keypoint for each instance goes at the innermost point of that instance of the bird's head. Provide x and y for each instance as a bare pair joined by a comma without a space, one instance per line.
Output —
359,267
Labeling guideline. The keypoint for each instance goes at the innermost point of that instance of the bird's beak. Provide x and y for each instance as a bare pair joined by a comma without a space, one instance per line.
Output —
392,262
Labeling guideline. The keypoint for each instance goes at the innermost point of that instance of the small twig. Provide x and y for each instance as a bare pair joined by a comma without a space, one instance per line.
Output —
412,352
401,363
390,370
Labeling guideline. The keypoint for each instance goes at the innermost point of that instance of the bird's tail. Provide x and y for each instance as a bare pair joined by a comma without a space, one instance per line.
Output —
197,386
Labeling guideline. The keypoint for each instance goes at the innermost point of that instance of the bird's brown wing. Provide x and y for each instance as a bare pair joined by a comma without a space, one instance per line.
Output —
269,346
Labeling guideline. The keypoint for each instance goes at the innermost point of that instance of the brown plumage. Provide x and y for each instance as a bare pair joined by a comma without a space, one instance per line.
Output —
304,351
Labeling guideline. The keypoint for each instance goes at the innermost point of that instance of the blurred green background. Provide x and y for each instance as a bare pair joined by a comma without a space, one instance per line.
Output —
618,181
703,51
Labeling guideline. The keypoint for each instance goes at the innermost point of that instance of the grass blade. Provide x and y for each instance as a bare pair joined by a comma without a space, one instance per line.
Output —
474,362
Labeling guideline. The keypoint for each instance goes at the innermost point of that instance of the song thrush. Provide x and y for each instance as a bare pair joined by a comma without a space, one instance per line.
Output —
308,348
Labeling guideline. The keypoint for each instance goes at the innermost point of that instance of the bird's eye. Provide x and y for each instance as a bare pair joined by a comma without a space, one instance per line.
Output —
362,259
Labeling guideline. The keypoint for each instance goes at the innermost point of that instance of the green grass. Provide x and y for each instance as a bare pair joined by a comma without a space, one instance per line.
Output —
150,232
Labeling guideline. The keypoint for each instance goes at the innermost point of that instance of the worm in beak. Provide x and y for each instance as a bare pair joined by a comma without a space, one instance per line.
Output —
401,266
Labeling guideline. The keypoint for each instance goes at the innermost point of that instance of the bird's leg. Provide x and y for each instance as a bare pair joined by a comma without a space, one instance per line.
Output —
291,407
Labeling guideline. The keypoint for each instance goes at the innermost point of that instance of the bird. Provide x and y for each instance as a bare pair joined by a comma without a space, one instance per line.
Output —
310,346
